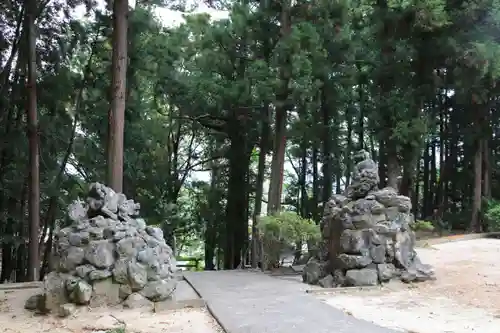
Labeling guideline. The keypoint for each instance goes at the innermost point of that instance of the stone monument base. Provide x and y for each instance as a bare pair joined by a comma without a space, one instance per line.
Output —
108,256
367,239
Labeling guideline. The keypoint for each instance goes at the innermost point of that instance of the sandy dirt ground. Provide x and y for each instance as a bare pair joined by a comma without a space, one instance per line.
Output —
14,319
465,297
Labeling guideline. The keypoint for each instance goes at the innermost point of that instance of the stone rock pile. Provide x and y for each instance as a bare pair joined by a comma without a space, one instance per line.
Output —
108,256
366,235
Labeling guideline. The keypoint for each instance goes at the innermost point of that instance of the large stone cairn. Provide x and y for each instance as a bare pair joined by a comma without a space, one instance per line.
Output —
366,235
106,257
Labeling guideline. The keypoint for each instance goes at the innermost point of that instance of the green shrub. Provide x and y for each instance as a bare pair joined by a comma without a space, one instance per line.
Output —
492,215
284,230
422,225
458,219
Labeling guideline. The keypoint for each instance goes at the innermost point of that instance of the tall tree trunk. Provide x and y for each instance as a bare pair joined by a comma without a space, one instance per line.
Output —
433,177
211,229
327,147
34,189
475,224
282,107
442,163
382,158
243,230
236,217
393,166
118,80
304,199
409,172
277,162
453,156
487,171
426,182
336,150
259,191
47,252
315,183
416,190
361,116
349,148
265,133
21,253
8,263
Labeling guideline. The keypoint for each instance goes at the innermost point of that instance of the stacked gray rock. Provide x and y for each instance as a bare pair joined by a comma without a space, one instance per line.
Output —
107,256
366,235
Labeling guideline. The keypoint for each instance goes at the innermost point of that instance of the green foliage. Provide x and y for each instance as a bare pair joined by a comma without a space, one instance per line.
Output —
458,220
283,231
492,215
116,330
288,227
422,225
194,263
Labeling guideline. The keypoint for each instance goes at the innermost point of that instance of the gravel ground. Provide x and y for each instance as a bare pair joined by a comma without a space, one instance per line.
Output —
465,297
14,319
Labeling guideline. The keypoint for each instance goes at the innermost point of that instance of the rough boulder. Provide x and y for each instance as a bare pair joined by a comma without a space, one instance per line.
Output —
107,256
366,235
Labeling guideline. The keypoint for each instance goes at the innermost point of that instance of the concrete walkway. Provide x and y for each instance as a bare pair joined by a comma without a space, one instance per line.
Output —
248,302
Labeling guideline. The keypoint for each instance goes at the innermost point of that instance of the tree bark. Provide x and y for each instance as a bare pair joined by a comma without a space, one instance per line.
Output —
393,165
349,146
304,198
277,162
426,211
34,163
259,191
433,177
382,163
487,169
327,148
236,217
22,230
282,106
315,183
416,190
8,262
211,229
117,110
475,224
361,116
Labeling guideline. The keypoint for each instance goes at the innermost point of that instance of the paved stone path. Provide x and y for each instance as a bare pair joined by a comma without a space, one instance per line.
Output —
249,302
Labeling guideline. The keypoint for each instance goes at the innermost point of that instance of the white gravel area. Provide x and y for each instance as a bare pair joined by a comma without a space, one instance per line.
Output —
14,319
465,297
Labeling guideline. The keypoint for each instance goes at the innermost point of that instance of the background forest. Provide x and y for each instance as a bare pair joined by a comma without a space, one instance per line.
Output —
279,82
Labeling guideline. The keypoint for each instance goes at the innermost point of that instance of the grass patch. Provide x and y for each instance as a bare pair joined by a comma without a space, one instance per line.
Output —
116,330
